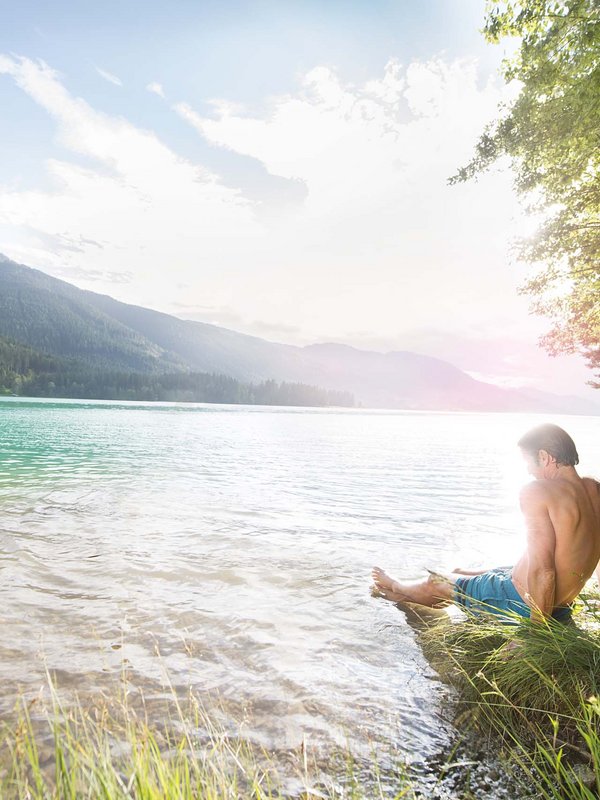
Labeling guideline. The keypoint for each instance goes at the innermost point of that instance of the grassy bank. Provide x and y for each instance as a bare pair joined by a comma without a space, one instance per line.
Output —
539,700
537,688
112,751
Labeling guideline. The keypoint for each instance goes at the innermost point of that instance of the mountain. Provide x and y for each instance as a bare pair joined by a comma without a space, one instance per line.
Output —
25,371
57,319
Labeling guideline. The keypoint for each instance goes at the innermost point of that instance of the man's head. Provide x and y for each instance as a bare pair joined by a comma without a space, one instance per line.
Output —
548,446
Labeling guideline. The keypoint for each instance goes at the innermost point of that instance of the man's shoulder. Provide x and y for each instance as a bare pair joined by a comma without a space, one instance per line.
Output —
537,488
592,487
535,494
593,482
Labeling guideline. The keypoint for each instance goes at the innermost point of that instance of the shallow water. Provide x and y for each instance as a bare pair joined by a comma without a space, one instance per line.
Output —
230,548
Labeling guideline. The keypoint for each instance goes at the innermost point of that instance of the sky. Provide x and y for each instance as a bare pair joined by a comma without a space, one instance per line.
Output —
277,167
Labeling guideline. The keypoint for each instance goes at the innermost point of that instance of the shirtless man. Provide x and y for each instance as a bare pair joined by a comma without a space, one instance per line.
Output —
562,518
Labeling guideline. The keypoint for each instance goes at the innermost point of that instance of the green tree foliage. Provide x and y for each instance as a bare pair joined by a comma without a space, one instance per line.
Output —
19,364
551,133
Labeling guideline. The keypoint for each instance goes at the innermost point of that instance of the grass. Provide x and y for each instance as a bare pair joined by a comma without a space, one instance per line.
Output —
111,751
540,697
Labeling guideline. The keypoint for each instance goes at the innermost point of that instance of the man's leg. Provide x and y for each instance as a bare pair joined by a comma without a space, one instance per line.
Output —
434,592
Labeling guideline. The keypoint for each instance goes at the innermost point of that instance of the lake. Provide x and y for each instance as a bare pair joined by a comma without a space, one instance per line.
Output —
230,547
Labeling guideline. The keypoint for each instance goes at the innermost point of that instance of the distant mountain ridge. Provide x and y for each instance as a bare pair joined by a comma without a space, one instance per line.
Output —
55,317
60,320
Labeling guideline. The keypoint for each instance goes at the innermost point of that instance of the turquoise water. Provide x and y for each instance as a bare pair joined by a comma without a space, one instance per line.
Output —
230,548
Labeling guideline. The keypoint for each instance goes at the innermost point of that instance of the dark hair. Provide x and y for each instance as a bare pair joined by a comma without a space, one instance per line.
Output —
554,441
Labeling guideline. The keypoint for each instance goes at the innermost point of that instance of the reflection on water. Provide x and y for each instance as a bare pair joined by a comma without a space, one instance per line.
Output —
237,542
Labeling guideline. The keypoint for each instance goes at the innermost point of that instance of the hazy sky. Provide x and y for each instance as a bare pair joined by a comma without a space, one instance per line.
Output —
276,167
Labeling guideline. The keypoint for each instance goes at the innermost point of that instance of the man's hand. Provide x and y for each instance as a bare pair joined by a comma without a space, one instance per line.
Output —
537,614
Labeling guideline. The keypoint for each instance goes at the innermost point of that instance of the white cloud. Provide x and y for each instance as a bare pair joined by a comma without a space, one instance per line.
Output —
155,215
381,237
108,76
156,88
380,242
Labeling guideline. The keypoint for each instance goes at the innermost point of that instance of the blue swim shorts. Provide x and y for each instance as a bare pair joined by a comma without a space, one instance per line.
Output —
494,592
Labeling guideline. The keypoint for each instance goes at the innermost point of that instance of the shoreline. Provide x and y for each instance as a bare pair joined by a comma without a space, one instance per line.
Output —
110,739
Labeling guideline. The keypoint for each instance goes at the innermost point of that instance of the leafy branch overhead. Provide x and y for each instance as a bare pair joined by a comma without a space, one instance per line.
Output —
551,134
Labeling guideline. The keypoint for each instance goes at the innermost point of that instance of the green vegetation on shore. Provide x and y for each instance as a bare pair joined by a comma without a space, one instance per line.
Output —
541,698
59,341
24,371
538,702
110,750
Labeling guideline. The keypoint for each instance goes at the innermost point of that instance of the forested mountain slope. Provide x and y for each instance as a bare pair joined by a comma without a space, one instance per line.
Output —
95,333
56,318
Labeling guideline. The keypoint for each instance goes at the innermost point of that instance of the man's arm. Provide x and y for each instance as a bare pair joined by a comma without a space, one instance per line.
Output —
597,570
462,571
541,544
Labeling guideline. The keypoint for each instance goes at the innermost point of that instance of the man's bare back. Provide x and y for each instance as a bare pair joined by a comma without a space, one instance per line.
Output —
562,515
562,519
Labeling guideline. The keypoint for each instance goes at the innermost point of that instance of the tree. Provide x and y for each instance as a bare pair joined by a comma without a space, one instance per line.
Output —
551,133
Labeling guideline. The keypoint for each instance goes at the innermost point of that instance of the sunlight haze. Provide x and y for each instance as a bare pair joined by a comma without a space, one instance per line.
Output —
279,169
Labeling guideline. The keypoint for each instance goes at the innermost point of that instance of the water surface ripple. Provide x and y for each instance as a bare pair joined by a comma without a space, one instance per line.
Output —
236,543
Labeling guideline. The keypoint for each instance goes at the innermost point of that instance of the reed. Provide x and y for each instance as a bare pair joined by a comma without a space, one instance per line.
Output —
112,751
536,686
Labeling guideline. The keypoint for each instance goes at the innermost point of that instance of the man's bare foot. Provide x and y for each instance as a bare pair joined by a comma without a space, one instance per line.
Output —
382,579
384,586
434,592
